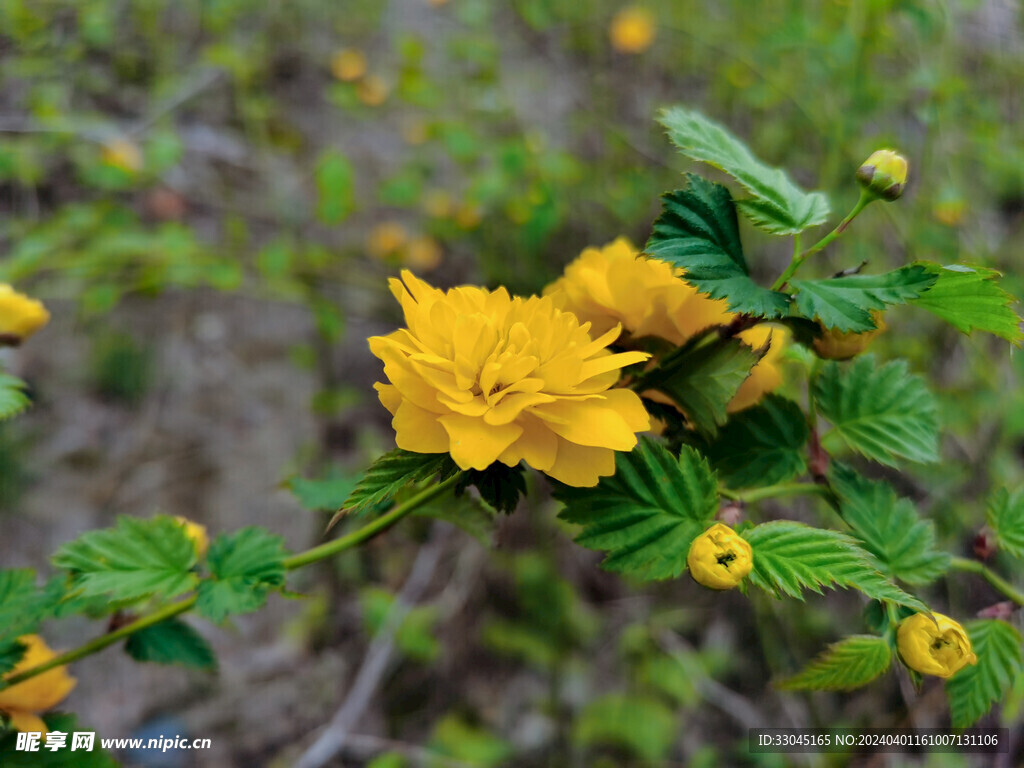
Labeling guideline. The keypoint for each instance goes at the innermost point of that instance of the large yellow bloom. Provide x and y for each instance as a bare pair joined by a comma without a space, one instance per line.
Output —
487,377
940,647
20,316
22,702
648,297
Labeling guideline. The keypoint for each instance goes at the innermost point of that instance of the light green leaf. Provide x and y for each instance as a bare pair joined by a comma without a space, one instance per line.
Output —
882,412
23,605
326,494
1006,519
697,231
13,399
135,559
244,567
334,187
702,380
974,689
844,303
763,445
970,298
790,557
850,663
889,527
643,725
171,642
392,472
778,206
646,515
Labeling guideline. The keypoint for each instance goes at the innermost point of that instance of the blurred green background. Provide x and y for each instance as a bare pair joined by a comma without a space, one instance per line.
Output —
209,194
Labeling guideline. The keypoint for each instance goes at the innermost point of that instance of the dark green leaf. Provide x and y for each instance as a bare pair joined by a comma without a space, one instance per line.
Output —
245,566
702,380
392,472
974,689
790,557
970,298
171,642
646,515
778,206
500,486
850,663
135,559
845,303
10,655
473,515
889,527
697,231
1006,519
763,445
884,413
13,399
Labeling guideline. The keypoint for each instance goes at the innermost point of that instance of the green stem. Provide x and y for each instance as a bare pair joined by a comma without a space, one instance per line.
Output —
997,581
310,556
866,198
775,491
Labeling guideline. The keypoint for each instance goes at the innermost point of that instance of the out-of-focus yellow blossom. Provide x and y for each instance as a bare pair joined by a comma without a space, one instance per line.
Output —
414,131
423,253
23,702
950,208
648,297
940,647
20,316
386,238
373,90
123,154
720,558
884,174
348,64
437,203
836,345
487,377
632,29
468,216
196,534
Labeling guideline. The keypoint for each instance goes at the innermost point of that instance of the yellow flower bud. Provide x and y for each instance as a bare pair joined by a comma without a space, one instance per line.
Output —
719,558
22,702
196,534
884,174
836,345
348,64
940,647
422,253
632,30
20,316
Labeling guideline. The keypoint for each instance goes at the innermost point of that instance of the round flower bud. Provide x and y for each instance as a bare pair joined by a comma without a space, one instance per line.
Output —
20,316
719,558
934,645
884,174
836,345
196,533
632,30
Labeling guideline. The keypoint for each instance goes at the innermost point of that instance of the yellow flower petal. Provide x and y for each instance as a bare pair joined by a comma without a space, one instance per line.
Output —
39,693
476,444
418,430
580,465
20,316
26,722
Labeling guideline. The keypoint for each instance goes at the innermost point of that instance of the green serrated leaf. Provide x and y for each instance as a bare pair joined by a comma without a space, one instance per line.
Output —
23,605
889,527
697,231
778,206
702,380
171,642
850,663
971,299
974,689
135,559
884,413
13,399
845,303
392,472
334,187
790,557
244,567
646,515
1005,517
10,655
763,445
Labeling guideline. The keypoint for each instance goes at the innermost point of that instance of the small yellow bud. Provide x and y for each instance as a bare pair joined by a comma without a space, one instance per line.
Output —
632,29
884,174
348,64
437,203
385,239
373,90
196,534
940,647
20,316
720,558
468,216
123,154
836,345
422,253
